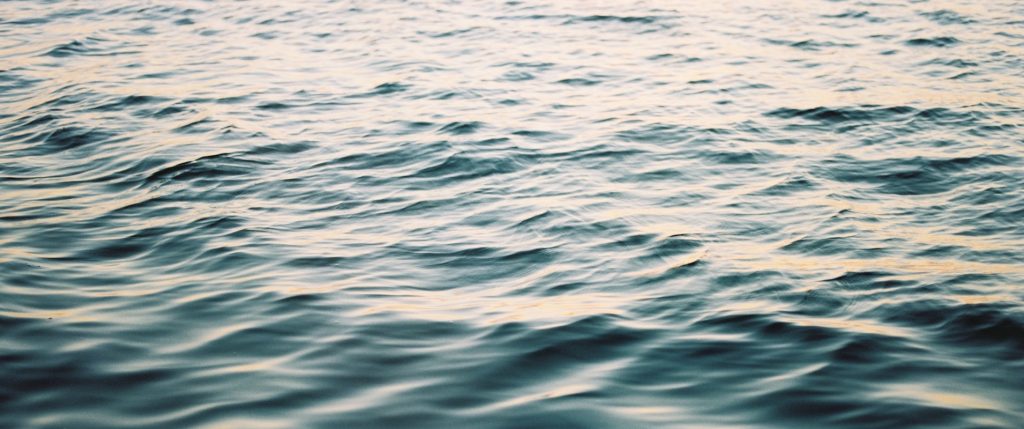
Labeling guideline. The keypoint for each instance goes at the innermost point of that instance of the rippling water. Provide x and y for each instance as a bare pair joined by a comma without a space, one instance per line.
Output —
523,214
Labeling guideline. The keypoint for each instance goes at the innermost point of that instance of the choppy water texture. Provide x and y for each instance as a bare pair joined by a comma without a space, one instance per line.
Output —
439,214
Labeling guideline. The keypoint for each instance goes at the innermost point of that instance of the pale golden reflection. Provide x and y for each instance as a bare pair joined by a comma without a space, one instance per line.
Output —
858,326
833,267
455,305
566,390
253,367
981,299
944,396
673,264
55,314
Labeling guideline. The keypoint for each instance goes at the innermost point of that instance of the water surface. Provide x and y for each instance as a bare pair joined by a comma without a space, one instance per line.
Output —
441,214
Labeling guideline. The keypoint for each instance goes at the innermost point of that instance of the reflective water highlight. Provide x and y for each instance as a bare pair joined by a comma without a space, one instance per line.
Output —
526,214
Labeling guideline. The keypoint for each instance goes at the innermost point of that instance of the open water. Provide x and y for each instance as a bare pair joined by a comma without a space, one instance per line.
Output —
522,214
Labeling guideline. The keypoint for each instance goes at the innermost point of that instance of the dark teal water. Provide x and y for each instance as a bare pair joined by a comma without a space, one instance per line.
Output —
441,214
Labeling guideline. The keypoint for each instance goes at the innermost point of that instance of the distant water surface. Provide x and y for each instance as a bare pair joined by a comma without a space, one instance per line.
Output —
563,214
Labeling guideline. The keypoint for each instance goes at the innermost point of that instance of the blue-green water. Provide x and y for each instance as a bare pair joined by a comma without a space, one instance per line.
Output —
438,214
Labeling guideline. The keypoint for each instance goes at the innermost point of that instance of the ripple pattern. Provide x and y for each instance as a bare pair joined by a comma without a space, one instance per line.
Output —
513,214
